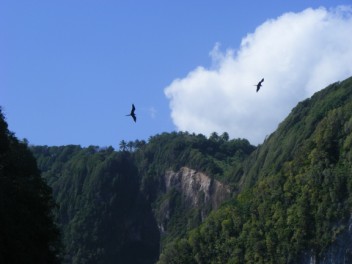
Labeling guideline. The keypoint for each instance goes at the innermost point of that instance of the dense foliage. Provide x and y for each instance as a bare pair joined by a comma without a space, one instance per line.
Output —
215,156
110,201
102,214
297,194
296,131
27,230
291,196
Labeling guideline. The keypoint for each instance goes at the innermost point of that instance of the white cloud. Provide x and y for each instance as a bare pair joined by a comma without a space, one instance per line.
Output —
297,54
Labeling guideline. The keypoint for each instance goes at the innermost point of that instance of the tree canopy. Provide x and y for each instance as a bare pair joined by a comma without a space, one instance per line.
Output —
290,196
297,191
27,230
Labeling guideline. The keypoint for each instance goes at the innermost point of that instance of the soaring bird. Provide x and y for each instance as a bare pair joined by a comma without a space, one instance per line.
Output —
132,113
259,84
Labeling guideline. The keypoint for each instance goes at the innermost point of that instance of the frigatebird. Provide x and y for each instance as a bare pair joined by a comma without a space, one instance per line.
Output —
259,84
132,113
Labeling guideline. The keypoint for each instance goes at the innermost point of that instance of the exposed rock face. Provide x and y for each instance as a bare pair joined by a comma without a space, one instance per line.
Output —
339,252
196,187
188,193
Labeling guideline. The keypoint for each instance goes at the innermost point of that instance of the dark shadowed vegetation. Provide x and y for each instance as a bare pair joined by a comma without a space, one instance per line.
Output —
289,197
109,201
27,230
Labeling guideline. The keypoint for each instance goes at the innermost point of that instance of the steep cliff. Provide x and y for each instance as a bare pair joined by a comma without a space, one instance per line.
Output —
287,201
197,188
339,252
126,205
295,196
102,214
189,196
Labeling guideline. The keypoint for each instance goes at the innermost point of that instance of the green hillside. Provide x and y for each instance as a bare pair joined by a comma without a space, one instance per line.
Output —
154,201
111,203
102,214
296,191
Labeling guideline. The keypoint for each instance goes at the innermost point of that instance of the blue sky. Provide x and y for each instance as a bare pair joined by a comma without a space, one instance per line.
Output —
70,70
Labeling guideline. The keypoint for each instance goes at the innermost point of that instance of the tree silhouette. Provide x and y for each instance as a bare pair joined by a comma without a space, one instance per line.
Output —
123,145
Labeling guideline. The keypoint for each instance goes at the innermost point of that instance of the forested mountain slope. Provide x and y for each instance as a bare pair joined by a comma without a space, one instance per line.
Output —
320,115
296,193
286,201
102,214
27,230
123,206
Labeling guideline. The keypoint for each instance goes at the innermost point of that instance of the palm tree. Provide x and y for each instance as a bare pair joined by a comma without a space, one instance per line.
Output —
123,145
130,146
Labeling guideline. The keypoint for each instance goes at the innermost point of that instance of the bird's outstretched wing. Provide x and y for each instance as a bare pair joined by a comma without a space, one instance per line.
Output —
259,84
133,109
133,114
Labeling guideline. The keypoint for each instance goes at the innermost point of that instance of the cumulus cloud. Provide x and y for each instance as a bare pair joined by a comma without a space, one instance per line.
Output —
297,54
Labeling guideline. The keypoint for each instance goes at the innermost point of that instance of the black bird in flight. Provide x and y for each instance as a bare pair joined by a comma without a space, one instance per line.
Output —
259,84
132,113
